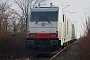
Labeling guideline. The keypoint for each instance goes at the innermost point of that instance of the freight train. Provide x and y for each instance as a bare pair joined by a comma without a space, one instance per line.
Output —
48,27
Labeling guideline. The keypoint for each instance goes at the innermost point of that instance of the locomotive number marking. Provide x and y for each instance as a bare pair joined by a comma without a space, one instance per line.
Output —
42,35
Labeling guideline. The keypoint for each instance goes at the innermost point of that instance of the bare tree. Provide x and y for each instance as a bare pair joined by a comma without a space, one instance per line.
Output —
84,45
10,20
4,17
15,21
87,20
25,6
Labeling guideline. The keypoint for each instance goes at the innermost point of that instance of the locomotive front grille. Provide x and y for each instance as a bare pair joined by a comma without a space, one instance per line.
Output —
30,42
53,42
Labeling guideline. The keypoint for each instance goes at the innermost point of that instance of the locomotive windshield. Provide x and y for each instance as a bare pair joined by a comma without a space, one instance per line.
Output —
44,16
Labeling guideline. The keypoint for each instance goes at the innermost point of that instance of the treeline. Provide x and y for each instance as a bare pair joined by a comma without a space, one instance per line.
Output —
84,45
12,31
13,26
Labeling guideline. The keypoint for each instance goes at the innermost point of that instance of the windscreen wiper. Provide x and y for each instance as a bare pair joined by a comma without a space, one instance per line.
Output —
38,20
47,20
43,17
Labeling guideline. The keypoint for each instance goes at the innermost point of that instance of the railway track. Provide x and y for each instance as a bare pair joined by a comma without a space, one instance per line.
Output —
50,56
29,58
40,57
59,52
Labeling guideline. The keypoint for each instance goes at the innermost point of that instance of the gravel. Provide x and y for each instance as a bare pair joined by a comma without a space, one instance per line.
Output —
71,53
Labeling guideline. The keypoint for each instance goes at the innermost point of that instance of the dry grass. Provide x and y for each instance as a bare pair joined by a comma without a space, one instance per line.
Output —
84,47
12,46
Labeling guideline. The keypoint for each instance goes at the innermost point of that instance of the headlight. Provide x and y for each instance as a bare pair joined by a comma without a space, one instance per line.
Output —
32,35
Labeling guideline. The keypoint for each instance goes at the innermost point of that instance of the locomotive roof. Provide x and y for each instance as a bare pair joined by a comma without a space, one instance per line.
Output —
45,9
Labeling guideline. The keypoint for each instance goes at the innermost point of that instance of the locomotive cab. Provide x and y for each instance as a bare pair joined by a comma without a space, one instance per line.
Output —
42,29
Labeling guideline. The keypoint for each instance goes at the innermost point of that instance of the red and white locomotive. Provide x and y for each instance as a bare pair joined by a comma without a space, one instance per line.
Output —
48,27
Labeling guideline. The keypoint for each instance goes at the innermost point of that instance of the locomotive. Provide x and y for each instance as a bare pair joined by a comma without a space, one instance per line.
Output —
48,27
